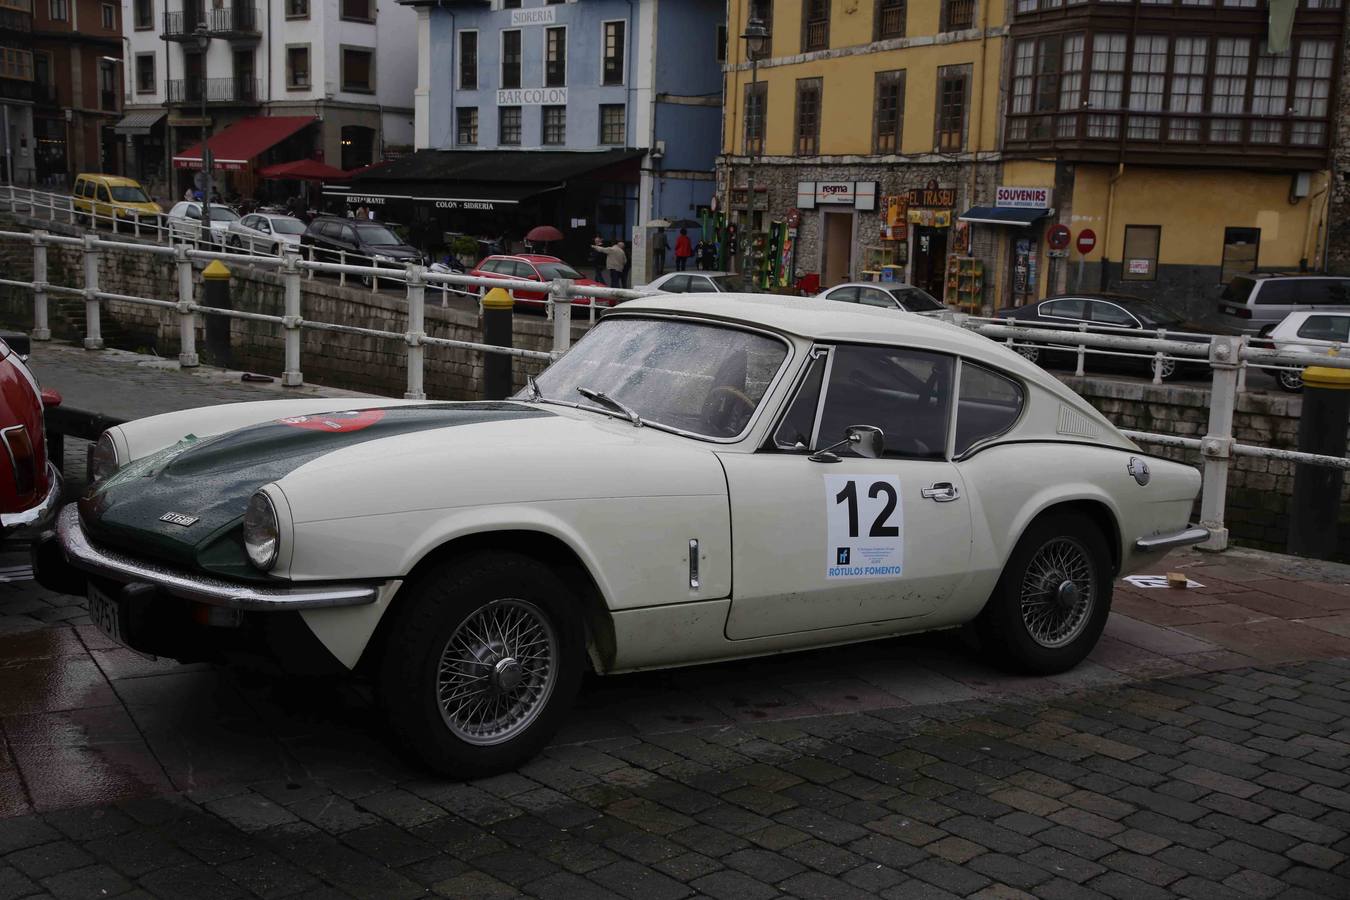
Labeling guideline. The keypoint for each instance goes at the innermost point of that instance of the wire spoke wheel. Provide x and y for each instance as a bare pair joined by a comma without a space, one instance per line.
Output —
1058,592
497,672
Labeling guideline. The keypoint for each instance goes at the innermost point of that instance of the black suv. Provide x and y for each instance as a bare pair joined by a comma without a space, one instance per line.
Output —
365,243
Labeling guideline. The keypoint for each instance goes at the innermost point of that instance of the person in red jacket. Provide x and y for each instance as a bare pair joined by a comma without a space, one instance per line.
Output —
684,249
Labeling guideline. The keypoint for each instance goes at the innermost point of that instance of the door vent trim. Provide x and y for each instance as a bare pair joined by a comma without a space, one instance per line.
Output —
1073,422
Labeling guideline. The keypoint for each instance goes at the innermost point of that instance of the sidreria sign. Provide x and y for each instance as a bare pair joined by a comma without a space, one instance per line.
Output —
532,97
545,15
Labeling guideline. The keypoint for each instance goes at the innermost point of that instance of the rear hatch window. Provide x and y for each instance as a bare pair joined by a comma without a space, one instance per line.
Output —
1238,291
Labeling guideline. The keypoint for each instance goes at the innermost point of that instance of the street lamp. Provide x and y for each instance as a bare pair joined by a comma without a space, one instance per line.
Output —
203,39
756,37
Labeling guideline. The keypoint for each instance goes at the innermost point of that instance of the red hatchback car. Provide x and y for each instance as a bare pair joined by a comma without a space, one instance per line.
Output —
30,486
534,267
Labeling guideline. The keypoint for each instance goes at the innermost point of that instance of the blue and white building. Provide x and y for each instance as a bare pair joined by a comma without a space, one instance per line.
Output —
603,114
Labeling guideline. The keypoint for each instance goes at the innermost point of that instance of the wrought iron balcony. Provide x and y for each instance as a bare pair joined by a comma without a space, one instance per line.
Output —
236,90
234,22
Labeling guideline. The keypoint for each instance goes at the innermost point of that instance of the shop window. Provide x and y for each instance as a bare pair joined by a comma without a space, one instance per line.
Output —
953,98
555,57
297,66
468,60
756,101
808,116
357,10
358,146
508,125
889,19
466,126
815,25
958,14
1139,262
611,69
510,59
145,73
358,69
1241,247
888,115
555,125
144,13
613,124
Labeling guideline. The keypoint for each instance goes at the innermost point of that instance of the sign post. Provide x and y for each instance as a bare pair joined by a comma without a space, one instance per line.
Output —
1087,239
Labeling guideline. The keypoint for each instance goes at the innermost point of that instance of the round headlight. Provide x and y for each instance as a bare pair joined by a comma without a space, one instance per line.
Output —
261,534
103,458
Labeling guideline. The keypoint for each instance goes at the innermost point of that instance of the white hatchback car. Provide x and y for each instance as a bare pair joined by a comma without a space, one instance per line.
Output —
886,296
264,233
697,281
1309,334
185,220
698,479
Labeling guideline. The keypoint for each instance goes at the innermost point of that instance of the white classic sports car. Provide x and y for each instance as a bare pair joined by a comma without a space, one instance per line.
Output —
695,480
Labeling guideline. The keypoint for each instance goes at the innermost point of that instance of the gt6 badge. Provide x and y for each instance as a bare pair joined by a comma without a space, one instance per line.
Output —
865,535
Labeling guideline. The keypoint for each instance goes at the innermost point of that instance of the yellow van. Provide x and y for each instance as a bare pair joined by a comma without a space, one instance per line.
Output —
106,196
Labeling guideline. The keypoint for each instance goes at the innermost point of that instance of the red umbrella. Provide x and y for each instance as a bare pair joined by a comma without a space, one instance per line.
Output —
542,234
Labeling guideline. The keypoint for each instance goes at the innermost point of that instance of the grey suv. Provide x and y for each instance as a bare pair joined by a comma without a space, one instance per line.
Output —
1257,303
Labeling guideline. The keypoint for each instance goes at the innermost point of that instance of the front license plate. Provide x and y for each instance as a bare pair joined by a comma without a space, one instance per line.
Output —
106,613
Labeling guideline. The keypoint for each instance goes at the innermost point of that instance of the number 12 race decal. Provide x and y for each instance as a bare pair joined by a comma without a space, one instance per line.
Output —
865,531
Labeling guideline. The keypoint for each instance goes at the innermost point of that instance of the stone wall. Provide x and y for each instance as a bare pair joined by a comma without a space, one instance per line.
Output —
1259,490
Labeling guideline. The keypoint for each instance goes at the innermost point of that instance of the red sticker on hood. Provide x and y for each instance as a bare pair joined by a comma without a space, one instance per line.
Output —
336,422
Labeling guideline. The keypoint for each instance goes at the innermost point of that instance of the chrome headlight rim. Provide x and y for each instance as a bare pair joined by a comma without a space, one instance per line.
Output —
104,459
262,532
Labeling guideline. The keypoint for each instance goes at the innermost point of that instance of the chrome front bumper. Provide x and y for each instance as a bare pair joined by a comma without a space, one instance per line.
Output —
1161,543
44,511
81,553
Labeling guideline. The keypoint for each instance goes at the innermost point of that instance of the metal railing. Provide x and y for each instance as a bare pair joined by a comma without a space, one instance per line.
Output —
228,89
1227,357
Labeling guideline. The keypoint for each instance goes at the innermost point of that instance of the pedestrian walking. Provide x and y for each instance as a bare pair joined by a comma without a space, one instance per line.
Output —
659,253
615,262
598,258
706,254
684,248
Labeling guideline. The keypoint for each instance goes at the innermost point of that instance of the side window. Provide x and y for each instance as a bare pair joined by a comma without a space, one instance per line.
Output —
193,212
1110,314
1326,328
349,234
1277,292
988,405
1068,308
794,432
677,285
103,193
262,225
249,221
1323,292
700,285
82,189
846,294
874,297
906,393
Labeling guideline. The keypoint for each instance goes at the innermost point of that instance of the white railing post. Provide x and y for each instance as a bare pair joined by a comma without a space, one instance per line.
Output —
9,197
93,333
291,321
313,252
1243,343
41,329
417,329
560,302
374,279
1082,353
342,261
1158,359
187,320
1216,447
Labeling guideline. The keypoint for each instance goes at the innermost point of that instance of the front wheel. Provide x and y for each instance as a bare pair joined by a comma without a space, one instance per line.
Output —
1290,380
482,663
1029,352
1051,602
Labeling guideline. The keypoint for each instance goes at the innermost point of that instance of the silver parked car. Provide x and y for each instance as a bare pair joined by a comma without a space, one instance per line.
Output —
264,233
886,296
697,281
1257,303
185,220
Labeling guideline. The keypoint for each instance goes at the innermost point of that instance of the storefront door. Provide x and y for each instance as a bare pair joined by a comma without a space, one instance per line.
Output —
837,255
930,258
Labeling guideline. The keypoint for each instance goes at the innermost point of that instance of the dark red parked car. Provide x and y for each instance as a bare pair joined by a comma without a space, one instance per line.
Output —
536,267
30,486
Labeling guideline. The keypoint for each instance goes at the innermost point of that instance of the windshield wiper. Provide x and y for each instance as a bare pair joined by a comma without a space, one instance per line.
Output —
607,400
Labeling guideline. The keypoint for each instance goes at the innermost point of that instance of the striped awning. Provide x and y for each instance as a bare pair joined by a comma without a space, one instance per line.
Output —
139,121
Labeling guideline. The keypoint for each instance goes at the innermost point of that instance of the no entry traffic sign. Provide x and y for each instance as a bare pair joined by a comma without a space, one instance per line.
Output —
1057,237
1087,239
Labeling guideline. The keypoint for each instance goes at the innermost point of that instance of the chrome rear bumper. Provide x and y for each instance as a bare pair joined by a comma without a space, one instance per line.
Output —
1160,543
81,553
42,513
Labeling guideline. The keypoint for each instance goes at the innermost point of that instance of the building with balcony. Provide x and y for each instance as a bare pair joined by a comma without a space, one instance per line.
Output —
873,124
594,116
343,71
77,88
17,150
1192,137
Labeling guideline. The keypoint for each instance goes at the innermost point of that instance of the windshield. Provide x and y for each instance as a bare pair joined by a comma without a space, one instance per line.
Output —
1157,314
129,194
222,214
703,379
915,300
378,235
734,284
557,270
287,226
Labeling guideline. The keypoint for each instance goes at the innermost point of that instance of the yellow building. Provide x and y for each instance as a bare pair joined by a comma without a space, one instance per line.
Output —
860,110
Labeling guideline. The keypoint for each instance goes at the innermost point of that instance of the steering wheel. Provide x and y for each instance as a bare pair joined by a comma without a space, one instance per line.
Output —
720,405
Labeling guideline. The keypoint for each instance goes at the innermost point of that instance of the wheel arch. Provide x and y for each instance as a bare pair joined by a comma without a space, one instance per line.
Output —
1096,511
543,546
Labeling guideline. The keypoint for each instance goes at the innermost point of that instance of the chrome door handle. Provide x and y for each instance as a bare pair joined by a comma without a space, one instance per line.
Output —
942,492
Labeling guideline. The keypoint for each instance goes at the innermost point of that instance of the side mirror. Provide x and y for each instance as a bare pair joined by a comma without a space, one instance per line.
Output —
865,440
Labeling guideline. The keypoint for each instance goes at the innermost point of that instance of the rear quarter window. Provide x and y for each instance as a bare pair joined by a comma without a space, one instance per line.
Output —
1282,292
1324,292
989,403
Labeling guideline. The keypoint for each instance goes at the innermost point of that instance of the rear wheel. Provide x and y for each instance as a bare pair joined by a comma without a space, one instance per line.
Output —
1290,381
1051,602
1029,352
482,663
